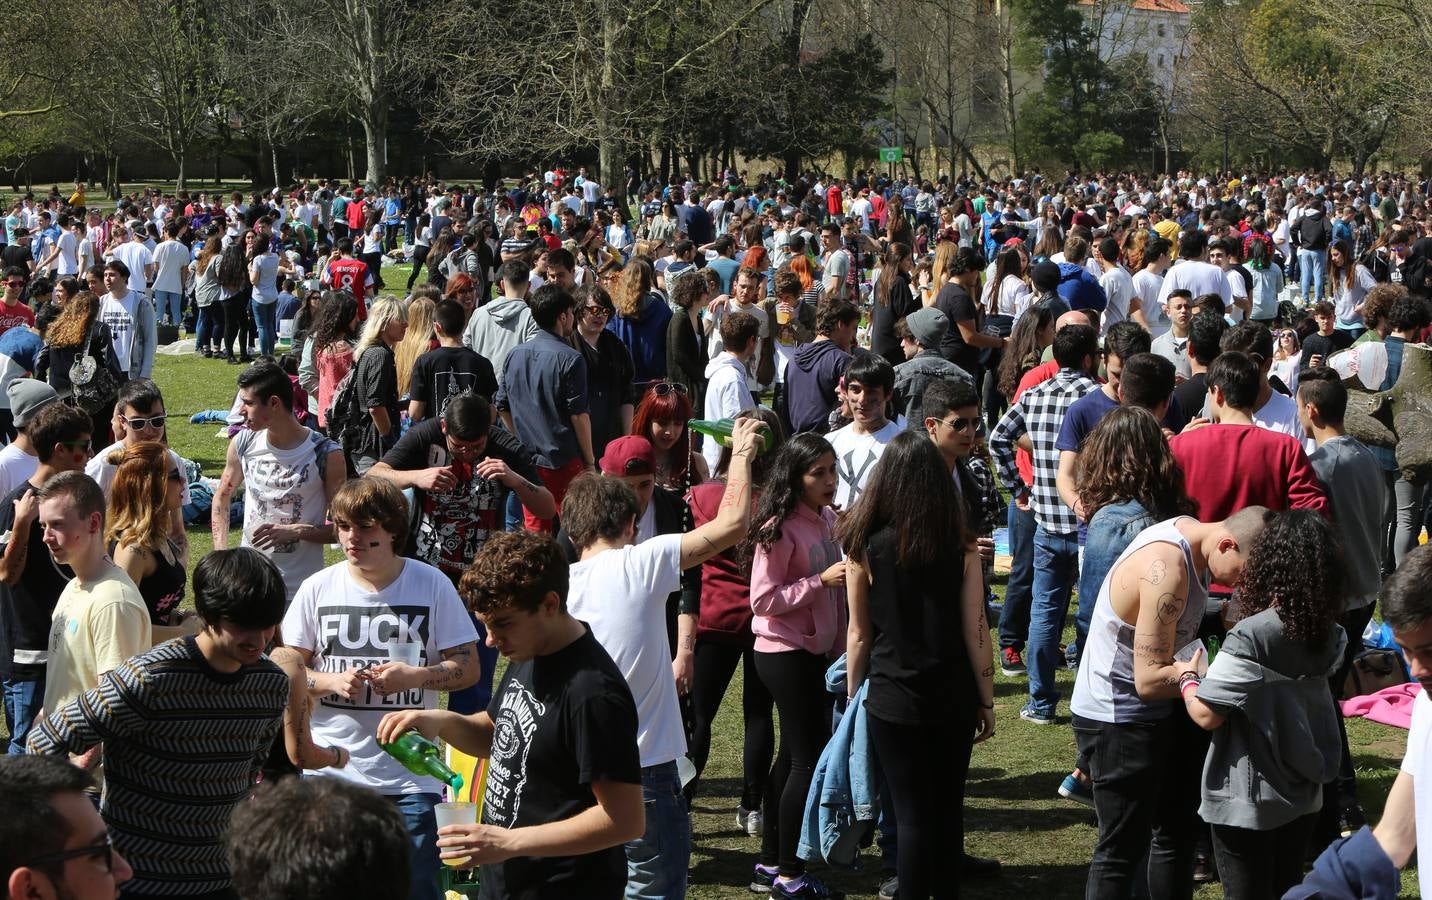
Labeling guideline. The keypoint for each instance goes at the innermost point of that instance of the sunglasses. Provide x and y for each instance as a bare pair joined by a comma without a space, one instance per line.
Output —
596,311
662,388
105,849
960,423
15,282
141,424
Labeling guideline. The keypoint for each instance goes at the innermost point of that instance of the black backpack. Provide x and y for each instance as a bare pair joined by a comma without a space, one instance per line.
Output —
346,421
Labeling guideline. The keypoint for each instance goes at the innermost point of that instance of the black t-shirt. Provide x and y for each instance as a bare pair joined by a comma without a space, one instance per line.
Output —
26,606
451,526
443,373
919,669
15,255
561,722
377,385
883,318
1192,394
958,306
609,386
1318,344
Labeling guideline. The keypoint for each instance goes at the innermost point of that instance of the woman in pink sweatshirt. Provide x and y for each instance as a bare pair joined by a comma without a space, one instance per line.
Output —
798,597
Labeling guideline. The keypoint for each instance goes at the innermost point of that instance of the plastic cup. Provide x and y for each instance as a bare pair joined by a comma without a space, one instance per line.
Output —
462,813
406,652
783,314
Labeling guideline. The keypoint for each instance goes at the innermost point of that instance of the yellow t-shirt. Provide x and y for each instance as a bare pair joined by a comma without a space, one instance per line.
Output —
95,627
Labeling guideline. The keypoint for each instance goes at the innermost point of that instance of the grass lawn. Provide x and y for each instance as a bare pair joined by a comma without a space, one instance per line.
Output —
1011,811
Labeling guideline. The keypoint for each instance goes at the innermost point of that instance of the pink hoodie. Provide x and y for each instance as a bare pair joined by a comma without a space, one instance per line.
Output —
794,611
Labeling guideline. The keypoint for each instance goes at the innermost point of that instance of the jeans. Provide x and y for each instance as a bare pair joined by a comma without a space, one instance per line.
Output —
169,305
657,861
1312,266
209,330
1056,556
264,320
925,768
22,700
1014,618
1146,793
1256,864
422,825
1408,499
236,316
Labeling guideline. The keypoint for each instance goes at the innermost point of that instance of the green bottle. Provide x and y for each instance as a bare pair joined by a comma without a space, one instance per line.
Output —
422,757
720,430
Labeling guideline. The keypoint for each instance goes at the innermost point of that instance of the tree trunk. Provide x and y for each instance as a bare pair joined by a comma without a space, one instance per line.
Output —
273,158
375,136
180,157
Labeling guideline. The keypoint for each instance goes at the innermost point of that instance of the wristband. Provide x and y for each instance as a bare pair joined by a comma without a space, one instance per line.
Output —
1188,676
1183,688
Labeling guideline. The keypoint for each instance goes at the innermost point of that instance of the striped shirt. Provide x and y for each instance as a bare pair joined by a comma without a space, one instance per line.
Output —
183,744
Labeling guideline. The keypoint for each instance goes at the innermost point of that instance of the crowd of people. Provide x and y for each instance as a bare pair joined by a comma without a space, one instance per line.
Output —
632,437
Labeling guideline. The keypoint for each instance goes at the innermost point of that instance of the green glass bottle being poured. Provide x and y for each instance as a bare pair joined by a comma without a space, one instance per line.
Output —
720,430
422,757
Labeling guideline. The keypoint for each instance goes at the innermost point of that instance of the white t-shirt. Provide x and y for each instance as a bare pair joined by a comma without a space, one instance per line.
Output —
15,466
102,472
1415,762
136,256
591,190
170,258
68,262
621,595
282,487
863,209
855,458
1147,286
1238,291
1118,287
119,316
345,627
1198,278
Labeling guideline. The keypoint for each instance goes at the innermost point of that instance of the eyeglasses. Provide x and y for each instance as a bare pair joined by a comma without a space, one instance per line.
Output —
960,423
141,424
105,849
600,312
83,443
15,282
662,388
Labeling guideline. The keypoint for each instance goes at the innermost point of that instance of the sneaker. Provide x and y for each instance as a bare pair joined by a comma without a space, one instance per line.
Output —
1205,870
763,879
1011,663
1071,657
749,820
1029,714
890,888
806,887
1077,789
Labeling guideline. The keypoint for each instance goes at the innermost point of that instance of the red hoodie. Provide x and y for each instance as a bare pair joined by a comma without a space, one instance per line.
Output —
725,587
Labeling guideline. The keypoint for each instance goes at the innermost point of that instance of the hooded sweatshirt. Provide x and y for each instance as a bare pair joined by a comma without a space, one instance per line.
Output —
645,336
726,395
498,327
794,610
811,378
725,616
1080,289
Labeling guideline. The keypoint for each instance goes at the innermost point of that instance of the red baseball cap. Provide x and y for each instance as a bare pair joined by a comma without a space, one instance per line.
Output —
629,455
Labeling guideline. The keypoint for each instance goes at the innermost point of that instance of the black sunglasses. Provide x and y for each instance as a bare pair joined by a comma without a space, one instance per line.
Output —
105,849
960,423
662,388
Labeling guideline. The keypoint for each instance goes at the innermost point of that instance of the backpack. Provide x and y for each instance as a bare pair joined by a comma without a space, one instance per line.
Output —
346,422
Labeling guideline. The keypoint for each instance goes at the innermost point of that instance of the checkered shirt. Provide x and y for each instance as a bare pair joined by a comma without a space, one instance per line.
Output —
1039,413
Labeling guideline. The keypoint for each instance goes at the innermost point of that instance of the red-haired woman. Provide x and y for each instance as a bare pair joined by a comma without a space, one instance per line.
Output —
661,418
462,288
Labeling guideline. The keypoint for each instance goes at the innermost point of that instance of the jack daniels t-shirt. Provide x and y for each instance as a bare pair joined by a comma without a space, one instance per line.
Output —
346,627
560,723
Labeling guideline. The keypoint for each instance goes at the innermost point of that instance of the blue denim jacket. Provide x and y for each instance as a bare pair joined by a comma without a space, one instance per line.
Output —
1111,531
843,802
1354,868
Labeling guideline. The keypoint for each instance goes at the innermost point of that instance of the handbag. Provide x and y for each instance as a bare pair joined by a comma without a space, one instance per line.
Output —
1373,670
92,383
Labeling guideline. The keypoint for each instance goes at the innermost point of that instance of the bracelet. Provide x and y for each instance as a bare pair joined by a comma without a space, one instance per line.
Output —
986,706
1187,677
1183,688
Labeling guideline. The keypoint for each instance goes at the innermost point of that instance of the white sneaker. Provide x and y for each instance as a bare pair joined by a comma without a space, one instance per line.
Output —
749,820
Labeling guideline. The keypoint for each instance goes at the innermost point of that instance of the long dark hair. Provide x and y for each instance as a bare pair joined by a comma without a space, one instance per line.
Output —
335,320
784,486
1296,566
911,491
889,268
1023,351
1010,261
234,266
1125,458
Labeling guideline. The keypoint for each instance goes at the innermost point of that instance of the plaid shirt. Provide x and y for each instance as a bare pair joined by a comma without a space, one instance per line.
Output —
1039,413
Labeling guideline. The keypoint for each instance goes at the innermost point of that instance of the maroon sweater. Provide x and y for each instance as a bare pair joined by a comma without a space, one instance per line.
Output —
725,586
1229,467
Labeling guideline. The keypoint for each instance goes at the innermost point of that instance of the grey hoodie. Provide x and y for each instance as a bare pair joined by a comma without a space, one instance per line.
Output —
498,327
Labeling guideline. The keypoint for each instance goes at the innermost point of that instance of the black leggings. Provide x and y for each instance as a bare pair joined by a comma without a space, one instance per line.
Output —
715,664
236,323
420,257
925,767
796,679
375,268
1257,864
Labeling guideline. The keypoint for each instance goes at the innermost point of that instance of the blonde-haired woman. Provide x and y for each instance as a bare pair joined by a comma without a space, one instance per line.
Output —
416,342
146,492
376,381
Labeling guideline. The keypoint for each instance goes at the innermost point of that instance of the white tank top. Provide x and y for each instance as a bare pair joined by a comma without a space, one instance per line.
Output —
1104,687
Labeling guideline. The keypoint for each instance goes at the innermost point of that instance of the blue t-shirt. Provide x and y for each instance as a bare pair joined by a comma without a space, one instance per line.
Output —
726,269
1090,410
